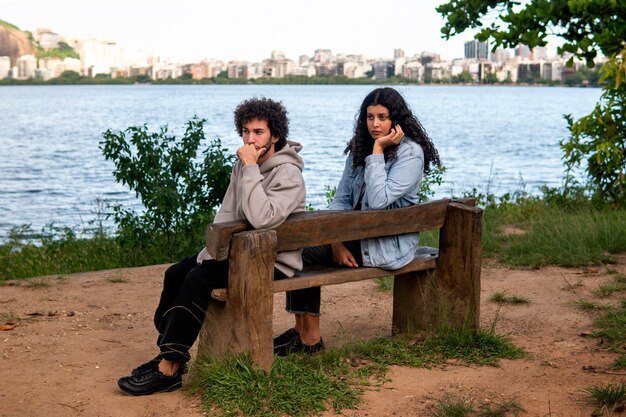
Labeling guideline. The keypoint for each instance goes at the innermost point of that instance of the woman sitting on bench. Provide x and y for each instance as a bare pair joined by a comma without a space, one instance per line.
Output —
387,157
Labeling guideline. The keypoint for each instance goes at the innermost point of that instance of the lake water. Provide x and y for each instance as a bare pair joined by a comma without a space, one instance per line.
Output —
496,139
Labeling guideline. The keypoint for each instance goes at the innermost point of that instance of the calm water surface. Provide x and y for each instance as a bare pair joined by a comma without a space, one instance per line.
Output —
497,139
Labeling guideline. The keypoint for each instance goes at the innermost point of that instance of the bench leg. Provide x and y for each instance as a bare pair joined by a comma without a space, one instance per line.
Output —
244,322
458,267
413,299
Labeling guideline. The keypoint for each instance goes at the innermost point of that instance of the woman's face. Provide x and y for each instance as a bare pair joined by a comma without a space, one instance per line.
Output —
378,121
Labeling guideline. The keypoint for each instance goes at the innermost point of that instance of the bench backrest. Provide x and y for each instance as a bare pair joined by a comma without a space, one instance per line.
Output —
322,227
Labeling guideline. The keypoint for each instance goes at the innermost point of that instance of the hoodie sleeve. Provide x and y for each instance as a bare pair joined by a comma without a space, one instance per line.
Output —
270,207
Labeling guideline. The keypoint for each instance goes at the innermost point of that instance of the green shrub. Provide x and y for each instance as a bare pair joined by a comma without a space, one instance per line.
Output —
178,192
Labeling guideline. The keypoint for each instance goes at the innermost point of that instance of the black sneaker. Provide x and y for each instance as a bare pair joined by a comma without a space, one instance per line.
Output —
296,345
150,382
154,364
148,366
286,337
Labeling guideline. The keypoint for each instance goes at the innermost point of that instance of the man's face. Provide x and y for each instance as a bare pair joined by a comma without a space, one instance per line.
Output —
257,133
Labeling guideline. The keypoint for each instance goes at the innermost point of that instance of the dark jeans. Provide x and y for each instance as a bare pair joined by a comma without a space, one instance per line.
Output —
308,300
184,300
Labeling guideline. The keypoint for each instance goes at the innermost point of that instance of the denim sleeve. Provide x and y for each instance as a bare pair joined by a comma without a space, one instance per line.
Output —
343,194
384,186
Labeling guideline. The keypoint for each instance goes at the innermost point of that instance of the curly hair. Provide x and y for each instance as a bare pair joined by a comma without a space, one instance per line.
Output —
273,112
361,145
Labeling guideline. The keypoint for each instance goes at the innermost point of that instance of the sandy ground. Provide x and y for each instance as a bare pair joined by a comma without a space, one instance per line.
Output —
74,337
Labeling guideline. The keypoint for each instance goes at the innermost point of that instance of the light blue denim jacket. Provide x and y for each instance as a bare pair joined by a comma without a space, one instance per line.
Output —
387,185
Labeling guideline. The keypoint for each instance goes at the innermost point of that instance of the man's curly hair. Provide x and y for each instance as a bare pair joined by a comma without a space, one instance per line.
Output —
273,112
361,145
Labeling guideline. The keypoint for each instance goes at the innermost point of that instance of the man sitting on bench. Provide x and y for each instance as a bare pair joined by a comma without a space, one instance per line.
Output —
266,186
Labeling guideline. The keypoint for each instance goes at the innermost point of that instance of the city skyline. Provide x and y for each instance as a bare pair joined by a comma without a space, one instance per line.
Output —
190,30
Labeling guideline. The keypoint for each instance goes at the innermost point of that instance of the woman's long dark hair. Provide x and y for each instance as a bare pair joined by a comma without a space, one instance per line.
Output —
361,145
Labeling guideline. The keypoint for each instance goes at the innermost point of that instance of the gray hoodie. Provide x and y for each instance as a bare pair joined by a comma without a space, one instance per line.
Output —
264,196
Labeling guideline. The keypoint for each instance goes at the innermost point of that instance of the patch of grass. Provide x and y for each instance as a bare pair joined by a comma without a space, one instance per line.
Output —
55,250
504,297
612,395
10,316
554,235
606,290
572,287
502,409
302,385
297,386
37,283
384,284
620,363
620,278
589,305
117,280
611,328
453,407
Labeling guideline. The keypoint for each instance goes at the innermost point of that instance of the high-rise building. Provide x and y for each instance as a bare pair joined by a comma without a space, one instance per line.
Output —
398,53
475,49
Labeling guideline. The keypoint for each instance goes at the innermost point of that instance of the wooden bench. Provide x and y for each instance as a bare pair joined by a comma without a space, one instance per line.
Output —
440,287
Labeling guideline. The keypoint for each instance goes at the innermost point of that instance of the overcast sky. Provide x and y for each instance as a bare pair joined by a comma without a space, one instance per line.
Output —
189,30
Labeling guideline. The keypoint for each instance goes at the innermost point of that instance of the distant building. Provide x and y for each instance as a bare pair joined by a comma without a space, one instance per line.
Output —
277,66
163,71
197,71
398,53
413,71
352,69
529,72
475,49
325,69
323,56
399,65
46,38
500,56
276,55
522,51
384,70
435,71
539,53
99,57
5,66
428,57
26,66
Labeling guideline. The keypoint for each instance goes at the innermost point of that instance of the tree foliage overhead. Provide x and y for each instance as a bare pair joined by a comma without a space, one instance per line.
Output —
597,142
586,26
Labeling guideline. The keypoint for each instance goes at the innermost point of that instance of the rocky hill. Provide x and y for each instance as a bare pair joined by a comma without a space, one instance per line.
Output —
14,42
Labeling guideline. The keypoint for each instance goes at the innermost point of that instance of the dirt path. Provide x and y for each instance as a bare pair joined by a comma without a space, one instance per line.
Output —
86,330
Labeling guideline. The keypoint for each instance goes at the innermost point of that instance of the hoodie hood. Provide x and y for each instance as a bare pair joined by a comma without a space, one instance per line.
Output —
287,155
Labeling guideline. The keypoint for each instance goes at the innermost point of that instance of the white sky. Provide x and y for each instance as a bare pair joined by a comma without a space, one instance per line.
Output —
189,30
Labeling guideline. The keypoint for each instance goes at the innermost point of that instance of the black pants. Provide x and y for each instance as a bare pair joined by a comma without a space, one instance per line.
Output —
184,300
308,300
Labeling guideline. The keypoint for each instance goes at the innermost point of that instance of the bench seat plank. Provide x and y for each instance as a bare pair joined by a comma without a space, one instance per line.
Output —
425,259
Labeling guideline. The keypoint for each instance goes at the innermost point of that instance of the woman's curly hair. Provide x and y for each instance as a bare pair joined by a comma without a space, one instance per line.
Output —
273,112
361,145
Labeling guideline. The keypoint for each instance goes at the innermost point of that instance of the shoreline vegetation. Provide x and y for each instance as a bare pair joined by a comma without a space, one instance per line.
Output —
583,78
